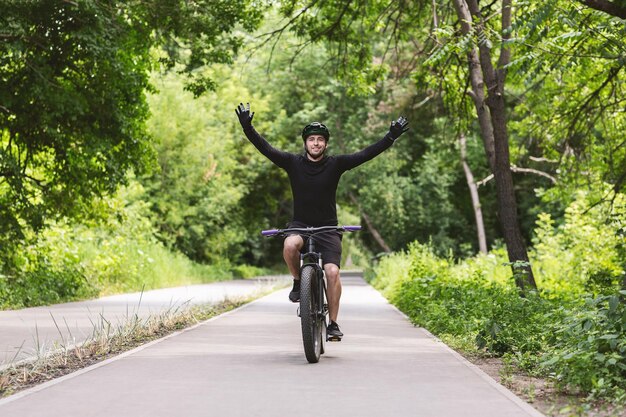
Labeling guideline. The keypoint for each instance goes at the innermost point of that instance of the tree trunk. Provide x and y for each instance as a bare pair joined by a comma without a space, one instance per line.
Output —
471,184
471,20
507,204
477,93
482,111
370,226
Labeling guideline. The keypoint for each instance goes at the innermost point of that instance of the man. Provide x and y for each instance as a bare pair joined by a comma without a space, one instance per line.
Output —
314,177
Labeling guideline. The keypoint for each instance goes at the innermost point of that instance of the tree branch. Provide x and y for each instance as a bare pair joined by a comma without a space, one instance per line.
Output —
471,184
606,7
435,18
589,99
370,226
494,83
278,33
478,84
541,159
520,170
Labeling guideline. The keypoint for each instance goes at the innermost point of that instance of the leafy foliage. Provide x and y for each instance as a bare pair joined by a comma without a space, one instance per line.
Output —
589,347
73,77
570,78
117,251
437,295
581,254
207,170
573,330
198,34
72,84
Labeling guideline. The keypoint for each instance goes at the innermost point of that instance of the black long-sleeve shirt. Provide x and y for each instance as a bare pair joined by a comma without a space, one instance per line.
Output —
314,184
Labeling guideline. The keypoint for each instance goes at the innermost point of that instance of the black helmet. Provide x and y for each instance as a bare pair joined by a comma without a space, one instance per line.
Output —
315,128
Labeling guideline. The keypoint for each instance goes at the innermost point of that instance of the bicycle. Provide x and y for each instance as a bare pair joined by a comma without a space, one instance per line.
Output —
313,307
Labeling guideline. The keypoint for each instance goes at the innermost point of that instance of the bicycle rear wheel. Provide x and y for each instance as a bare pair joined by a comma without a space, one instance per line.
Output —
309,318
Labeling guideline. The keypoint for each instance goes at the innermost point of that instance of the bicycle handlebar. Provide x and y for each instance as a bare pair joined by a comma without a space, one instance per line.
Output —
309,230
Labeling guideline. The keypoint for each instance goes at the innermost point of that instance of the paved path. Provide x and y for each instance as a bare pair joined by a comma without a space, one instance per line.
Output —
33,331
249,362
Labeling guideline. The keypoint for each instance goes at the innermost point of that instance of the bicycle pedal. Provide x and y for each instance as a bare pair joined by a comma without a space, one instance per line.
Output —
333,339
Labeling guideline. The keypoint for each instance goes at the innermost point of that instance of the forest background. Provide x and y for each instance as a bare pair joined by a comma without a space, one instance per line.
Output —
497,221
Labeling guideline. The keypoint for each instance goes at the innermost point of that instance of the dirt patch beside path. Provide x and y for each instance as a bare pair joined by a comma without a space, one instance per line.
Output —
541,394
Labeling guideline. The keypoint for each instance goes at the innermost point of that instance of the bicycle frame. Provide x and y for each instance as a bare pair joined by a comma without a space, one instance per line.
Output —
313,307
311,256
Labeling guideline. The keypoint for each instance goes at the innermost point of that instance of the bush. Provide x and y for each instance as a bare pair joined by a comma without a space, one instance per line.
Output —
588,352
37,279
581,254
391,270
573,329
44,286
470,308
248,271
115,251
36,274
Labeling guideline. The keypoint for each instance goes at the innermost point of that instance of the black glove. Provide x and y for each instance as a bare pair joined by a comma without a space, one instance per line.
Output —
245,117
398,127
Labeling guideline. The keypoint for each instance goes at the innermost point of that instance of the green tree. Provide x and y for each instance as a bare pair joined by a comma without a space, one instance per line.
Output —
469,50
569,94
73,77
345,24
207,195
395,194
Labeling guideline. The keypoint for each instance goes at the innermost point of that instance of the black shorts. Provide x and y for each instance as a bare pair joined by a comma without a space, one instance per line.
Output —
327,243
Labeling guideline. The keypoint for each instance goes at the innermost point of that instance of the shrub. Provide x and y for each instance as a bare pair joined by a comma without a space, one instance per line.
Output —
41,280
248,271
580,255
469,308
115,251
588,352
473,304
390,272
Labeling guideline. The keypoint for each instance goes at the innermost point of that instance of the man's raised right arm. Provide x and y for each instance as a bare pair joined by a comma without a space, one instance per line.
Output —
245,118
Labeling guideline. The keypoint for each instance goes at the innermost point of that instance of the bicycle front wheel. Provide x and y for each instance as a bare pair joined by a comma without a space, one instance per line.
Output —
309,316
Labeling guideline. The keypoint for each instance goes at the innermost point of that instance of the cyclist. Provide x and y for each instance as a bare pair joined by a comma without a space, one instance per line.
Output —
314,177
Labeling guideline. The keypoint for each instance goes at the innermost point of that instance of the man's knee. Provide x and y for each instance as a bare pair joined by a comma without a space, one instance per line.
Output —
332,272
292,245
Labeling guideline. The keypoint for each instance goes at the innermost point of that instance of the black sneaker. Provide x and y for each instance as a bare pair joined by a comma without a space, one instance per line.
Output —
333,331
294,295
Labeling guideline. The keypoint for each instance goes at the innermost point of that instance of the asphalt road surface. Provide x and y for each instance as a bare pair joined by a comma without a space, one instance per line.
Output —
32,332
250,362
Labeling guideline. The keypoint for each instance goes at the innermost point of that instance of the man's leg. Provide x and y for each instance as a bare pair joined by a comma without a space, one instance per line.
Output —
291,253
333,289
334,295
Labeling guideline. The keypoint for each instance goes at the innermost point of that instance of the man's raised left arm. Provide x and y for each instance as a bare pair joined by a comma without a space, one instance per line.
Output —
397,128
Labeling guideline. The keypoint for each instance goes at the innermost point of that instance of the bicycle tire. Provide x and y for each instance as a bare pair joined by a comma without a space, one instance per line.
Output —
322,320
309,317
